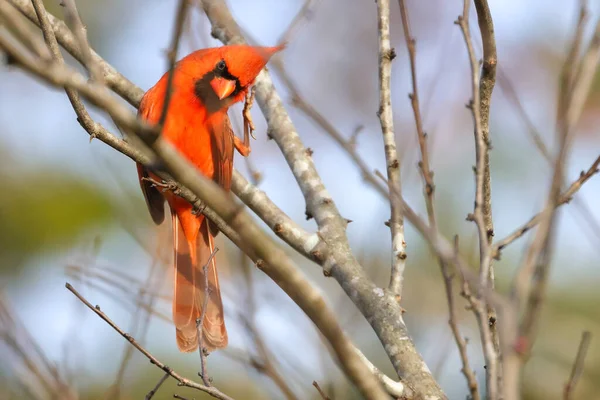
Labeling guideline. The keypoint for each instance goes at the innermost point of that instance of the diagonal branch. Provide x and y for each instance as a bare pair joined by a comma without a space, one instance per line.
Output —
83,117
214,392
74,19
578,364
114,80
565,198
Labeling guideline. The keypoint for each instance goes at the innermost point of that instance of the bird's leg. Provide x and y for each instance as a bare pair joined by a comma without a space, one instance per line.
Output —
244,147
164,185
248,123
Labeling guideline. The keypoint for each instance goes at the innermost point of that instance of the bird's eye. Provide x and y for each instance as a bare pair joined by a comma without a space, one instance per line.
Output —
221,65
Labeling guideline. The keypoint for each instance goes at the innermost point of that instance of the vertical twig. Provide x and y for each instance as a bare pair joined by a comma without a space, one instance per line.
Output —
264,363
429,191
201,349
578,365
482,87
386,118
182,11
424,165
139,325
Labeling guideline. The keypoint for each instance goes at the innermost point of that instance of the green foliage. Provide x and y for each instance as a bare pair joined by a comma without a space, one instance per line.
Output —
41,211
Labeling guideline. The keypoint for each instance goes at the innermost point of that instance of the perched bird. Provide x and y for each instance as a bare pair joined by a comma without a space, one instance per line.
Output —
204,85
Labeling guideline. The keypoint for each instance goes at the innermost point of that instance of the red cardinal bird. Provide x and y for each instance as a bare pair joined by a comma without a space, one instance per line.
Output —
205,84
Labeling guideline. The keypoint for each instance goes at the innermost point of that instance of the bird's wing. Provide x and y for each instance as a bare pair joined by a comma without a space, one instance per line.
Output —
154,199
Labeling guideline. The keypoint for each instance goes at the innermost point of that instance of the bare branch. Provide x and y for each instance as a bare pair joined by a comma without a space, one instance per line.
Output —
578,365
321,392
158,385
201,349
9,16
461,342
265,362
74,19
565,198
304,14
117,82
41,378
482,88
83,117
386,118
214,392
144,302
424,165
172,56
429,191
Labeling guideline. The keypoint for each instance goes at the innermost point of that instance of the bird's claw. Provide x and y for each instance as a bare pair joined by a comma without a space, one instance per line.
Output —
248,123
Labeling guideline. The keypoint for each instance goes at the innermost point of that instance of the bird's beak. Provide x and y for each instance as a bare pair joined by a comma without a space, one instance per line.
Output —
222,87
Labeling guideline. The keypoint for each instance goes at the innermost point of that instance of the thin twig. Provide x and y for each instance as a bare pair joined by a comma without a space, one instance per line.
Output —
321,392
565,198
386,118
201,349
461,342
446,250
138,328
578,365
61,75
424,164
480,105
172,57
158,385
305,13
429,192
214,392
80,31
42,373
10,17
509,90
264,363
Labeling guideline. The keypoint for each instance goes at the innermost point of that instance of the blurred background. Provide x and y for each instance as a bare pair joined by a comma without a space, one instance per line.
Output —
72,210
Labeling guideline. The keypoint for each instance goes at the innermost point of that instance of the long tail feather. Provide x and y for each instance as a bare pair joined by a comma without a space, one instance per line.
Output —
189,293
